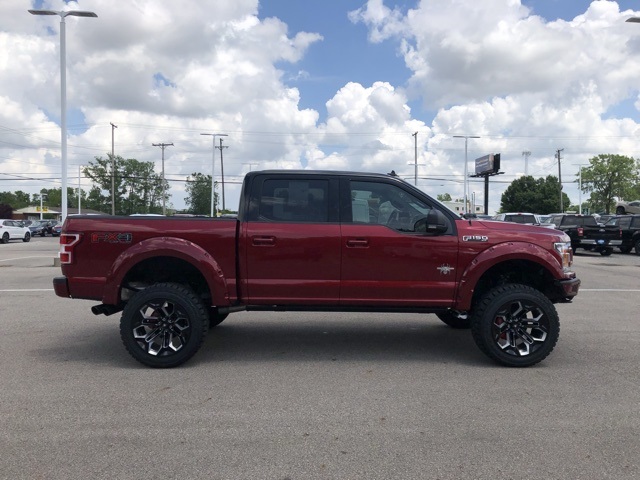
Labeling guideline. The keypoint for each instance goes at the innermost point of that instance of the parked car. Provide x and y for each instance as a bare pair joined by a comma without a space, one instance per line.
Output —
629,226
36,228
622,208
13,230
56,229
524,218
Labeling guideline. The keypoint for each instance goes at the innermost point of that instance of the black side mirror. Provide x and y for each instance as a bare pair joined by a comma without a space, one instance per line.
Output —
434,222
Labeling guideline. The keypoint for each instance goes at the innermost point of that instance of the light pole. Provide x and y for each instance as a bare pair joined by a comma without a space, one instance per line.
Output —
42,195
415,171
113,171
213,168
466,166
164,189
63,92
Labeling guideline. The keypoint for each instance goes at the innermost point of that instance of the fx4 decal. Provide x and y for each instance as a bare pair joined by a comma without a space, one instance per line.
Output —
111,237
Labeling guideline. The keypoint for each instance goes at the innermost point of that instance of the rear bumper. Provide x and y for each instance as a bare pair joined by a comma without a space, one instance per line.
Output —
601,243
61,287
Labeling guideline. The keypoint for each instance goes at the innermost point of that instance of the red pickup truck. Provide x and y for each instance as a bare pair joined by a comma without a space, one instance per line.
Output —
320,241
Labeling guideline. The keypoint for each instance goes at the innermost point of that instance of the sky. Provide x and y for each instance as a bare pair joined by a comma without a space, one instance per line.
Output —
321,85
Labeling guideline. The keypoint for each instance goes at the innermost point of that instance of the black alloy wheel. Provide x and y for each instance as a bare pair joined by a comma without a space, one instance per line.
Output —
515,325
164,325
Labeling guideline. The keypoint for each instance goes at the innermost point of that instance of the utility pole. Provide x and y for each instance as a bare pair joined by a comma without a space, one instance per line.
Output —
560,178
113,172
526,154
415,135
164,193
213,169
222,173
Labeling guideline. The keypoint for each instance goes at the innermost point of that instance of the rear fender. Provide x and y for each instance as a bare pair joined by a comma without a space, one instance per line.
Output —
501,253
167,247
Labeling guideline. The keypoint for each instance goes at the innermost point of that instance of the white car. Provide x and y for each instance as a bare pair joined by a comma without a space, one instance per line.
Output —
13,230
622,208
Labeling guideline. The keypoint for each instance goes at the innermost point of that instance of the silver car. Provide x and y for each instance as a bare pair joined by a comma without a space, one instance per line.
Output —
622,208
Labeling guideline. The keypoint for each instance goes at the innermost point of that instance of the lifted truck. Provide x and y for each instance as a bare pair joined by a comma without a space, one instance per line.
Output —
320,241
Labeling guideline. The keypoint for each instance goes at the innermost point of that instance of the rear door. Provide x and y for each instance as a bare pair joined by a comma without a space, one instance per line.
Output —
384,261
290,240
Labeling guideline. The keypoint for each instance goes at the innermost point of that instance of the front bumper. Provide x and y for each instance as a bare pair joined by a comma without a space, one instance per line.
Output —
568,289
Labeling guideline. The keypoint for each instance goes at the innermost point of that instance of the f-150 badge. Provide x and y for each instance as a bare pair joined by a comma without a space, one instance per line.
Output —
445,269
475,238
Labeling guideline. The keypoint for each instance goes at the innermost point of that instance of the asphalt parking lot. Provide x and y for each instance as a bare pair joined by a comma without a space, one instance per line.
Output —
306,396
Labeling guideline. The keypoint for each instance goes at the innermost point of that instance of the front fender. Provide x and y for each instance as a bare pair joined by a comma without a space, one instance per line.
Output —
497,254
167,247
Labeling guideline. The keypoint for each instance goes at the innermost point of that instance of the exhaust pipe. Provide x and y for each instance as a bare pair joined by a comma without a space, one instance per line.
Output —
104,309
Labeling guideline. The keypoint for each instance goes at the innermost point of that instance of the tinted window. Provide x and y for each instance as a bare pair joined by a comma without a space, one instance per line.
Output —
385,204
294,200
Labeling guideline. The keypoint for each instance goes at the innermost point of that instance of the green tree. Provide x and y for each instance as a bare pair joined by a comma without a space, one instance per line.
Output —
444,197
16,200
609,176
537,195
138,189
198,199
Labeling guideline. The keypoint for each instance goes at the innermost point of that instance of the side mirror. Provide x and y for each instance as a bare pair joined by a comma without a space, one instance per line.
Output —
434,222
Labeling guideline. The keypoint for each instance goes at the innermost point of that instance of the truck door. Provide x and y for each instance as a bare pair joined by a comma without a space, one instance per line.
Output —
291,241
385,262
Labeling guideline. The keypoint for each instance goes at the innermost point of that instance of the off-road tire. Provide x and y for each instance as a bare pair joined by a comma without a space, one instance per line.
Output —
455,319
515,325
164,325
620,211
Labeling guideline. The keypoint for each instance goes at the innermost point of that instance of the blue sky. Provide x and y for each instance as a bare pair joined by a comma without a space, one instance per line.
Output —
321,85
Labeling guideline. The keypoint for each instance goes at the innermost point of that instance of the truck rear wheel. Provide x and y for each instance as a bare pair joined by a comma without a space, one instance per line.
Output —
164,325
455,319
515,325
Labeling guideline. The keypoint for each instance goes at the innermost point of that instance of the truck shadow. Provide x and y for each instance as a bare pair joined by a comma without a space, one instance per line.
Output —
361,338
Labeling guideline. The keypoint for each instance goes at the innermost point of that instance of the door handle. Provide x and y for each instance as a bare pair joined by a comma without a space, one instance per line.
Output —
358,243
263,241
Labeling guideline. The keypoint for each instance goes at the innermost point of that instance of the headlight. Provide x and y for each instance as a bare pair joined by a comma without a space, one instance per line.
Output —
566,253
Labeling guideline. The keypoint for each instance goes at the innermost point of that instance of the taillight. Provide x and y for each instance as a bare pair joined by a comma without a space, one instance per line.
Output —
580,231
67,242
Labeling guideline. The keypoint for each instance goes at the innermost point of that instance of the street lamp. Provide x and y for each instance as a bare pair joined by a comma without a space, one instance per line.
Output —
213,167
63,92
466,166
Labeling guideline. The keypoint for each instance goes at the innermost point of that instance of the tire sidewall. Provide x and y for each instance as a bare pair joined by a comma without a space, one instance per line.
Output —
181,295
486,311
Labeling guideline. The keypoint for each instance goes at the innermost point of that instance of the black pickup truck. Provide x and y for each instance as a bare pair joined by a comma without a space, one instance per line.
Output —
585,232
629,226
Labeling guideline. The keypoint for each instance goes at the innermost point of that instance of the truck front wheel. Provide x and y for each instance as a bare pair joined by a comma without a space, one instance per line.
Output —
164,325
515,325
